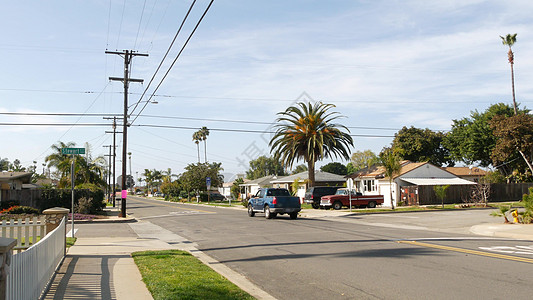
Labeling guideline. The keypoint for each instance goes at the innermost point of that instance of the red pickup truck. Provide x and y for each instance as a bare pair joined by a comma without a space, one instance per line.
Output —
342,198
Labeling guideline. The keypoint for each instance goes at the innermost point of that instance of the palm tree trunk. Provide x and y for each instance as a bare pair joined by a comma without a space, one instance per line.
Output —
198,147
205,150
512,84
311,173
390,188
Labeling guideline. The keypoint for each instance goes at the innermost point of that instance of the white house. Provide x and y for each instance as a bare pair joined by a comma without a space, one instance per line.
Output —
372,181
251,187
321,179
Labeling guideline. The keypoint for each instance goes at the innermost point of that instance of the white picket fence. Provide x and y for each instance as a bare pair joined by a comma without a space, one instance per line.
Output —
27,232
30,271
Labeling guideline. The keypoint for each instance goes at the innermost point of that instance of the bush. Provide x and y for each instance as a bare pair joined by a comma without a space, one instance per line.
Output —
18,210
8,204
63,198
527,216
84,206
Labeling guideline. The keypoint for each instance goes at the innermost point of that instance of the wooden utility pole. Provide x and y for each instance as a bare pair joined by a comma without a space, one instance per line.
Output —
128,55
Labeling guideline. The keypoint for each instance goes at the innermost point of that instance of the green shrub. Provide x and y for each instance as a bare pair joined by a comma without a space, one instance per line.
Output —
8,204
63,198
527,216
18,210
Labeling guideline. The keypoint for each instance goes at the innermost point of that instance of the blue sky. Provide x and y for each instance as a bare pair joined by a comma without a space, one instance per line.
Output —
384,64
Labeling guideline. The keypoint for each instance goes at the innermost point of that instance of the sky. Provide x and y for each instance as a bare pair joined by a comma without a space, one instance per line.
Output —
383,64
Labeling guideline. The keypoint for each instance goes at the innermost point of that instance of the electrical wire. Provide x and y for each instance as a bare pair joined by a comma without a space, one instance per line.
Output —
139,28
177,56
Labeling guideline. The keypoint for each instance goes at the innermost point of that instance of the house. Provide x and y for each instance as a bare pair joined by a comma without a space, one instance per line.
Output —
251,187
12,185
321,179
468,173
373,181
225,190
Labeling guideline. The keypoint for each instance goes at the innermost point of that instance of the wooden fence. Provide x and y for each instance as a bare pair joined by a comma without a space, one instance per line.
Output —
499,192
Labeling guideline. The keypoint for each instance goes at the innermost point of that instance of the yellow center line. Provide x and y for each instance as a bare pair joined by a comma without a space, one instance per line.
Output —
475,252
174,206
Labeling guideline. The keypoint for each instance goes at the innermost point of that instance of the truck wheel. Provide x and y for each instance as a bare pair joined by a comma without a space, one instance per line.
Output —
251,212
371,204
337,205
268,214
315,205
293,215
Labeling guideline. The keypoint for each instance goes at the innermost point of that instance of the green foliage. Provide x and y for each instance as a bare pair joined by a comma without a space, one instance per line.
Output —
502,212
299,169
440,191
264,166
294,186
171,189
335,168
194,178
308,132
236,188
18,210
363,159
391,162
492,177
63,197
83,206
421,145
527,199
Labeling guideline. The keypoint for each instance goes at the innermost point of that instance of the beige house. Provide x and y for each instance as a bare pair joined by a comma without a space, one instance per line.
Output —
321,179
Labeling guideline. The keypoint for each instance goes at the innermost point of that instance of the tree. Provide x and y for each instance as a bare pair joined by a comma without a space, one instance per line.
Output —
194,178
264,166
421,145
58,160
440,191
509,40
391,162
471,139
196,137
204,133
236,188
4,164
363,159
335,168
513,133
299,169
307,132
17,167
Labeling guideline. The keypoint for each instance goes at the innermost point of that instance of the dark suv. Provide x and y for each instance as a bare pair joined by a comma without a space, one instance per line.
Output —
314,194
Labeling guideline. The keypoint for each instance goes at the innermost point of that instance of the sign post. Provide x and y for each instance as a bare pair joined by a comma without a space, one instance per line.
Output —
350,187
72,152
208,184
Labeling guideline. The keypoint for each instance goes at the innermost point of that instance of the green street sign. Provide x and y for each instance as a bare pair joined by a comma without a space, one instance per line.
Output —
72,151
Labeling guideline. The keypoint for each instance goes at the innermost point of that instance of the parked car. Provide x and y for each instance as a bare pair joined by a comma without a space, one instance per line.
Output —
273,201
342,198
159,194
314,194
216,197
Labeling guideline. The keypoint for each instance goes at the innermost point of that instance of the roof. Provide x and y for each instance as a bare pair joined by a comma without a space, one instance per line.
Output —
320,176
377,171
25,177
438,181
466,171
265,180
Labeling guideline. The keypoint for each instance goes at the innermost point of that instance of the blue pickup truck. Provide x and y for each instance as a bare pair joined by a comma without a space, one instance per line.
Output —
272,202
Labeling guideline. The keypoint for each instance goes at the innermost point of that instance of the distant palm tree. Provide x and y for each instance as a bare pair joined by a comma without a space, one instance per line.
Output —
197,138
305,131
204,133
58,160
391,163
509,40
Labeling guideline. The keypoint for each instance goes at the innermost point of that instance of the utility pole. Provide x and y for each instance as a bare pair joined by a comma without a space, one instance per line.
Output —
108,194
114,132
128,55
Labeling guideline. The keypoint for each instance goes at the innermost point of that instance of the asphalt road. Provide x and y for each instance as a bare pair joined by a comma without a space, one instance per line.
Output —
401,256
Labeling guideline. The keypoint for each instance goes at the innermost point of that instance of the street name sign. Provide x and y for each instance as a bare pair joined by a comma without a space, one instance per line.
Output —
72,151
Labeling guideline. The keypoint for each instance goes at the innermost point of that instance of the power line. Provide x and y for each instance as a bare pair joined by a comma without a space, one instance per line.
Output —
165,56
177,56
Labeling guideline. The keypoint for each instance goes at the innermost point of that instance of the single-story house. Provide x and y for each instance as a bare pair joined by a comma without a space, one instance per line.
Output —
12,184
321,179
251,187
373,181
468,173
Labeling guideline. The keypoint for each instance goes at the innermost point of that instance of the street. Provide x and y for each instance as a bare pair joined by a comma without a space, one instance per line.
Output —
392,256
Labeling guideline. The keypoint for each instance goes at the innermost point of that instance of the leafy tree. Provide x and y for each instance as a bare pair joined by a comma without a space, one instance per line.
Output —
363,159
335,168
421,145
509,40
58,160
299,169
4,164
440,191
194,178
391,162
264,166
471,140
513,133
350,169
236,188
307,132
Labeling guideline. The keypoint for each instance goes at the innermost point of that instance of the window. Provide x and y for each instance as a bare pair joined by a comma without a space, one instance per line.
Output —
369,185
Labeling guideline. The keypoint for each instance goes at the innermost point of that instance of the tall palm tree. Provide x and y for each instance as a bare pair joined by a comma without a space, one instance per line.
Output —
509,40
306,131
196,137
391,163
204,133
58,160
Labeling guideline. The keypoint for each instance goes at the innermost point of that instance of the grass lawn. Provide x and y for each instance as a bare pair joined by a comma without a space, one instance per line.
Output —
175,274
70,241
